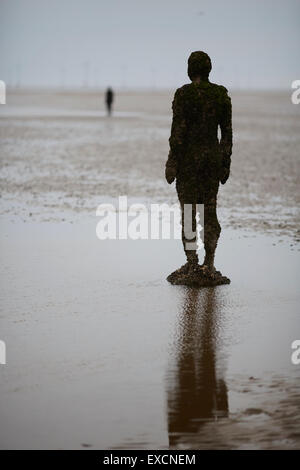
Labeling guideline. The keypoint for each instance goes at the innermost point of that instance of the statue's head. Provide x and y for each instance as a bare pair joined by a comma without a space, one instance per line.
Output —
199,65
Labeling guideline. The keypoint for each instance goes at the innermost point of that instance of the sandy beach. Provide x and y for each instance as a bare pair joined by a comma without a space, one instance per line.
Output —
102,352
60,154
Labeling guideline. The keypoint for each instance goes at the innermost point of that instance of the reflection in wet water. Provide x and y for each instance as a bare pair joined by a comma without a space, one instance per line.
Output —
197,392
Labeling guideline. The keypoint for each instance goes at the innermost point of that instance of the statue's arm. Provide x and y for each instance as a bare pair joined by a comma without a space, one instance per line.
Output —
226,135
176,140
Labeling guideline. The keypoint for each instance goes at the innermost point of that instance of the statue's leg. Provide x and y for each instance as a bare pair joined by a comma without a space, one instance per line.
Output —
212,230
191,274
188,221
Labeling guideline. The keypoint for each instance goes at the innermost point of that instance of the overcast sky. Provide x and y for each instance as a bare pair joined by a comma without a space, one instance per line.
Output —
146,43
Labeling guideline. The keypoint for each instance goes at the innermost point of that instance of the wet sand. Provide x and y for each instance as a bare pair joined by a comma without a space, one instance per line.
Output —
59,153
101,351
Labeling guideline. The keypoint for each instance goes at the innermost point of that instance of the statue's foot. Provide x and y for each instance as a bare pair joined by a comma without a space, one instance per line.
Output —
197,276
208,270
179,272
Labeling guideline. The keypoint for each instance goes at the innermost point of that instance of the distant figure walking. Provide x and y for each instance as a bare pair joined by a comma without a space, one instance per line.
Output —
109,98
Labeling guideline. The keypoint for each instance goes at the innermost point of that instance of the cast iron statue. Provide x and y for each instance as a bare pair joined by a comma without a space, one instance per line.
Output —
199,162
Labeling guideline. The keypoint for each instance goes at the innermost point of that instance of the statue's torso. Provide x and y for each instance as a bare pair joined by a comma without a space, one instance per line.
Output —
202,108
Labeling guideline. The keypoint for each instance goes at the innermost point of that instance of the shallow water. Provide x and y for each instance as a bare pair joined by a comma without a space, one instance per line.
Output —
102,351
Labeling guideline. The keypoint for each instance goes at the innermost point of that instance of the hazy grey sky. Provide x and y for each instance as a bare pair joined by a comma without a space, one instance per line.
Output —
252,43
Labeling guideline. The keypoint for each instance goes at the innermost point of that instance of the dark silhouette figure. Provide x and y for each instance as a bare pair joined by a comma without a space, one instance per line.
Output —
197,159
197,393
109,98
